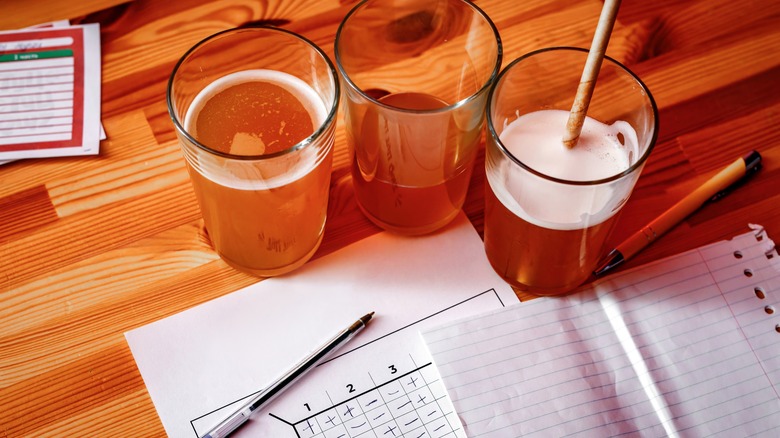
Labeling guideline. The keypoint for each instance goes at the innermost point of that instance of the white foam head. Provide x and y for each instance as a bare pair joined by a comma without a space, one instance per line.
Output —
535,140
262,174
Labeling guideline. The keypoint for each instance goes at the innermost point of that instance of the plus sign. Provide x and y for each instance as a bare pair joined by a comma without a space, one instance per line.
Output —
348,411
390,429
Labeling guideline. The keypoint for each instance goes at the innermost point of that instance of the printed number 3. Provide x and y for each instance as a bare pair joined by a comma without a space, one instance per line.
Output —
392,369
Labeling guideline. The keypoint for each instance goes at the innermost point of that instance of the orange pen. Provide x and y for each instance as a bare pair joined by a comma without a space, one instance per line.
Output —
711,190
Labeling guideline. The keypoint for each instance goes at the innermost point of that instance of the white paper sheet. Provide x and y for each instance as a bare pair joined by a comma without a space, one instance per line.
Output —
686,346
202,363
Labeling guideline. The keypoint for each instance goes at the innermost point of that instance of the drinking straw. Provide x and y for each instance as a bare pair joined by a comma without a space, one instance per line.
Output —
598,47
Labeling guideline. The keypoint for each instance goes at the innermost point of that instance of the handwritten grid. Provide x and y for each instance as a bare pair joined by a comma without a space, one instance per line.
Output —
678,347
407,406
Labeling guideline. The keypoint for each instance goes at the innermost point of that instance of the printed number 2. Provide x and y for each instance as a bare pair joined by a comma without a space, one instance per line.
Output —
350,388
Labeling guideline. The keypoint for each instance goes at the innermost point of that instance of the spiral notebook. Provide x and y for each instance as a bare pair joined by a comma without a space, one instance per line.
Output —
685,346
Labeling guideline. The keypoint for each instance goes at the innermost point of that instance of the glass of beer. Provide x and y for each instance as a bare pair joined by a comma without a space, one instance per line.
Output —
550,209
416,75
254,110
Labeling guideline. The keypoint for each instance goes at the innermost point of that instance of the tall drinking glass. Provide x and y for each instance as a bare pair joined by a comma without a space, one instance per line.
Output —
416,74
254,110
548,209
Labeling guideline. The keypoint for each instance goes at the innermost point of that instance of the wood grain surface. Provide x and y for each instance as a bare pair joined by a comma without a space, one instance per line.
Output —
91,247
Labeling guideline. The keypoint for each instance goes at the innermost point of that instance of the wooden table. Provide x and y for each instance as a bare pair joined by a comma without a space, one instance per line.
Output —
92,247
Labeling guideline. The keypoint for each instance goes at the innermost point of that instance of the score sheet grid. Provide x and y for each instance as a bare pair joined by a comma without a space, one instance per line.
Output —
407,406
410,402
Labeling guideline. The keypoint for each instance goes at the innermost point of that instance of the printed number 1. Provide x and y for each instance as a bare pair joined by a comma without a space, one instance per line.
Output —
307,407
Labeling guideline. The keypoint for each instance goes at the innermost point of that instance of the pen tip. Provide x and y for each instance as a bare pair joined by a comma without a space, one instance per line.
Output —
613,259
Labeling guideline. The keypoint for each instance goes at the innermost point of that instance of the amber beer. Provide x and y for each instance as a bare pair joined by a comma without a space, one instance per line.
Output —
254,110
266,217
416,76
543,260
411,171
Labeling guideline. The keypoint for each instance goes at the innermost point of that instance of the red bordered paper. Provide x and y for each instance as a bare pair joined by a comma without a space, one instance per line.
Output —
50,92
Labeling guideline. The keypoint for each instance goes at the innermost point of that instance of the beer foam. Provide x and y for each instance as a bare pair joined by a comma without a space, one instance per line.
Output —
247,175
535,139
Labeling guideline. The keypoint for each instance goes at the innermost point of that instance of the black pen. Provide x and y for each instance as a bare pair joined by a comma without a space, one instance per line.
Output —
713,189
236,419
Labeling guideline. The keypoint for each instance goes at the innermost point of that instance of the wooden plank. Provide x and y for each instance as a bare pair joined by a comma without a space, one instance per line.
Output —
638,10
572,25
708,148
15,15
136,410
720,105
25,211
43,320
711,20
84,235
724,63
128,134
95,379
119,181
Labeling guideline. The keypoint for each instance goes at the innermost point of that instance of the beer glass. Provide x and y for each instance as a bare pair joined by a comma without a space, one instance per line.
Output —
254,110
416,75
546,222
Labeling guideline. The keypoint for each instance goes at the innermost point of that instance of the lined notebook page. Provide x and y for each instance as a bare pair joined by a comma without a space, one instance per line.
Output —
686,346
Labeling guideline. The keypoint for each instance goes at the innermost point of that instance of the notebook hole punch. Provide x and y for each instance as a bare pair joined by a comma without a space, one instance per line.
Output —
759,292
769,310
748,273
737,254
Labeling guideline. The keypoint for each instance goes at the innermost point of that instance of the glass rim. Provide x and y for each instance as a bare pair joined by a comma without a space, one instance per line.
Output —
631,169
296,147
485,86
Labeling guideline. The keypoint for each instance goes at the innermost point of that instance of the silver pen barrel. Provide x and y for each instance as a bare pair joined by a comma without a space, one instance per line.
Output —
236,419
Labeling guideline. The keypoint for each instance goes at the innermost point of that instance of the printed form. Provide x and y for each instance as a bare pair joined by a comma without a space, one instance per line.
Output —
201,364
50,92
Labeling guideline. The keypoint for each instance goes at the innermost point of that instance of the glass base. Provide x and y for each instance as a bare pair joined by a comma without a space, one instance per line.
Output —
410,231
273,272
542,292
535,290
